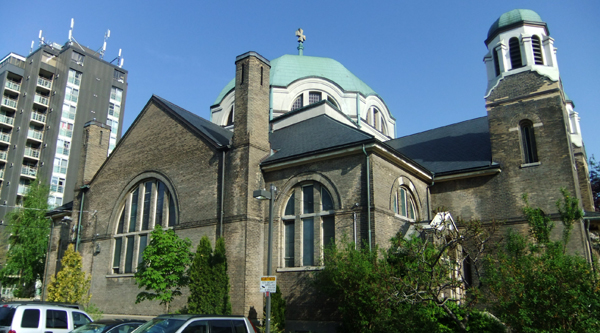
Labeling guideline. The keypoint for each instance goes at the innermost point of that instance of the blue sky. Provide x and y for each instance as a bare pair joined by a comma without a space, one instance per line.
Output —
424,58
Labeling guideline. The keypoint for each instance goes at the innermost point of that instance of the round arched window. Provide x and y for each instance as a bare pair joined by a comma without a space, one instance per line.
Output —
404,203
313,97
147,204
308,224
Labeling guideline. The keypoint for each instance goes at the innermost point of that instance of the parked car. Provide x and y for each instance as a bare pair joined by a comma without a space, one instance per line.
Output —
110,326
197,324
40,317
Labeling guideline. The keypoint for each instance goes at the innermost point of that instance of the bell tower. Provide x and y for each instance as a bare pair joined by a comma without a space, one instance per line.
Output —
531,120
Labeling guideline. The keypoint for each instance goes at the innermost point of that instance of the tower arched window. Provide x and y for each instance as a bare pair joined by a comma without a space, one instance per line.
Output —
308,225
515,53
230,117
528,142
147,204
496,62
404,203
536,45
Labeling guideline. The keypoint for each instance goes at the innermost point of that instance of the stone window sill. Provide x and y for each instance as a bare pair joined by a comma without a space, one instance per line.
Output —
300,269
527,165
116,276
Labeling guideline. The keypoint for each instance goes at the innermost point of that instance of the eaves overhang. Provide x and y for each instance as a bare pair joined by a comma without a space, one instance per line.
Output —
467,173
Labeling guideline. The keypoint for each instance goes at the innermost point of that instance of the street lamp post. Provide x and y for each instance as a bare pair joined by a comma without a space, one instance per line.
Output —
268,195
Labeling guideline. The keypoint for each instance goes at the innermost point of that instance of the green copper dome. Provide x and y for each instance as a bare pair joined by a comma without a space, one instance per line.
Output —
513,17
289,68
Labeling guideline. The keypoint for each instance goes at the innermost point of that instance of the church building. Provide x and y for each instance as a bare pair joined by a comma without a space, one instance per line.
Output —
326,143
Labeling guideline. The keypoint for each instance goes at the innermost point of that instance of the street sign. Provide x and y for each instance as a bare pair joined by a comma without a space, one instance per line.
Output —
268,284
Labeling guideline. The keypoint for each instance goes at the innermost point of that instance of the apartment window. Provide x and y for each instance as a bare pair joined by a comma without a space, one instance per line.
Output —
404,203
74,77
69,111
114,125
114,109
528,142
116,94
147,204
515,53
57,184
119,76
66,129
60,165
77,58
54,201
537,50
308,225
71,94
63,147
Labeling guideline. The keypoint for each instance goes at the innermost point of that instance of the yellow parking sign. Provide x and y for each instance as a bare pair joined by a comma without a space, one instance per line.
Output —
268,284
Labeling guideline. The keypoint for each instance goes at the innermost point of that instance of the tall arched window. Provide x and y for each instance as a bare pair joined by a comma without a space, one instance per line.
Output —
308,225
528,142
147,204
230,117
515,53
404,203
536,45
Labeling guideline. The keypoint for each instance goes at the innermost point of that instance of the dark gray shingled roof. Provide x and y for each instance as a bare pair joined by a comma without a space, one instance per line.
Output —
312,135
451,148
220,136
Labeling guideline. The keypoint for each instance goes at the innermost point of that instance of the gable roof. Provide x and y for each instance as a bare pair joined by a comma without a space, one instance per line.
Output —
220,136
461,146
320,133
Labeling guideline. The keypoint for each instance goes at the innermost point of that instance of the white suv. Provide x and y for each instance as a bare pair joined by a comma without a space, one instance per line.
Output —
40,317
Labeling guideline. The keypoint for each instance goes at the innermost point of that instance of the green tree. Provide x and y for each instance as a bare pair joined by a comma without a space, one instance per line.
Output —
163,272
29,229
70,284
209,282
536,287
415,286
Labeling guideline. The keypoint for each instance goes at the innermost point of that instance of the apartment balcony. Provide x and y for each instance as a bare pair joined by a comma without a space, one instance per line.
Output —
31,153
12,85
28,171
22,189
9,102
39,118
6,121
4,138
41,100
35,135
44,83
3,156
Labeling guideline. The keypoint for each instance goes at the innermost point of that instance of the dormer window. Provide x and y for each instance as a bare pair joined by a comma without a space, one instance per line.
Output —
515,53
537,50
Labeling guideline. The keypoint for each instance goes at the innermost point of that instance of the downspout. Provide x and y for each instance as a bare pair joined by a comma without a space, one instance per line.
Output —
368,196
83,188
222,193
358,110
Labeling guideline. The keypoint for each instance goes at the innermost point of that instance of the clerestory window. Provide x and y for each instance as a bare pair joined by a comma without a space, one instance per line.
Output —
313,97
149,203
308,225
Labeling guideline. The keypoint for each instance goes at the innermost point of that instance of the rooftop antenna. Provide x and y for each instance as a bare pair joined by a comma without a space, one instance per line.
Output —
106,36
41,38
31,49
301,39
118,59
71,30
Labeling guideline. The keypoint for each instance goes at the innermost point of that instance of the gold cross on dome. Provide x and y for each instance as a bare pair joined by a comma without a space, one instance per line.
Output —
301,37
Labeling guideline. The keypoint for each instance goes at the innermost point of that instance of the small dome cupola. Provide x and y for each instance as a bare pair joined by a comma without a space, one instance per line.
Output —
519,41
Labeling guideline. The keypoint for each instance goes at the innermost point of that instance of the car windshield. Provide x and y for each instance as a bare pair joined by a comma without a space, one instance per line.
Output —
6,315
90,328
161,325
